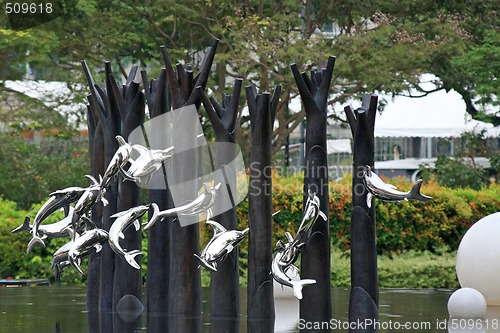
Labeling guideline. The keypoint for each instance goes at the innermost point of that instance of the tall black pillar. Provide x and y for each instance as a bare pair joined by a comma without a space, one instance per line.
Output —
185,278
363,303
130,103
224,284
315,260
108,114
260,301
159,235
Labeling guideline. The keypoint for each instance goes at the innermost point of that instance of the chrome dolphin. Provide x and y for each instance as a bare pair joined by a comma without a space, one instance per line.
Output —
312,212
387,192
123,221
60,259
83,244
119,160
58,199
52,230
282,275
149,161
291,250
221,244
202,203
92,195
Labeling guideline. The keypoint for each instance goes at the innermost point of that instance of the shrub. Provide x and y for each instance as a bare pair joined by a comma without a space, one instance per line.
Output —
424,227
408,225
18,264
29,175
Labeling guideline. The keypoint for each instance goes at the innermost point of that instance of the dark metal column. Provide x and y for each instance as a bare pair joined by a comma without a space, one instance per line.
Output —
130,102
363,302
224,284
109,119
260,302
185,278
96,152
159,236
315,260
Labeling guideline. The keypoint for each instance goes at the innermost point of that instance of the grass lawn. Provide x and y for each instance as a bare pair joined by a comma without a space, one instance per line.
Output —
406,270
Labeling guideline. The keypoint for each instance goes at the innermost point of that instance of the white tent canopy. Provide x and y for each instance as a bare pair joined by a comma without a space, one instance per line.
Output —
338,146
438,114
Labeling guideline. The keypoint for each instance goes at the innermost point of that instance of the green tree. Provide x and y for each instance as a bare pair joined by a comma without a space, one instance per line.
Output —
29,174
383,46
463,170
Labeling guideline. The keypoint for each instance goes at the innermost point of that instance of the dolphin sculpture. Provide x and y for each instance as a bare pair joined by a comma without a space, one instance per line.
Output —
281,274
199,205
119,160
387,192
221,244
84,244
149,161
123,221
53,230
291,250
312,212
58,199
92,195
60,259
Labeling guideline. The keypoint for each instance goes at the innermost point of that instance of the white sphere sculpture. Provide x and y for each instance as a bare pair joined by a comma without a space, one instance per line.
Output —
478,258
467,303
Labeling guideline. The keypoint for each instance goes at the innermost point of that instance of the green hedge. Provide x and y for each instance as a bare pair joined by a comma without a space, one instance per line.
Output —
408,225
15,262
402,228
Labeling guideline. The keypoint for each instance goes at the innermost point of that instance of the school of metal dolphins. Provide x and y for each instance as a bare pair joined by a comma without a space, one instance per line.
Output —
85,236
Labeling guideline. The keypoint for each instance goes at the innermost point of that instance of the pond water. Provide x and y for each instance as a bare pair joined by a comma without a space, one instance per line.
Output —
62,309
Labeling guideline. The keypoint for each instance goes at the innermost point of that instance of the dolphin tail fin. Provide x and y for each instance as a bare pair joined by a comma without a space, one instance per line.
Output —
369,198
24,226
126,175
33,241
57,273
121,140
130,258
205,264
415,192
154,218
297,287
75,265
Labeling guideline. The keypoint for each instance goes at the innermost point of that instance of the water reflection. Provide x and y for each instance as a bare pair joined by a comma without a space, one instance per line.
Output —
63,309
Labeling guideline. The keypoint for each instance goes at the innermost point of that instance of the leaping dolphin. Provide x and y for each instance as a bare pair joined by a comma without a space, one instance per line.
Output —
58,199
84,244
312,212
291,250
149,161
387,192
221,244
60,259
202,203
92,195
281,274
53,230
122,222
119,160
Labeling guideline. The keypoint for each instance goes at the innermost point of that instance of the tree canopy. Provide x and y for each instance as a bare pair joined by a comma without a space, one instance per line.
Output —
381,46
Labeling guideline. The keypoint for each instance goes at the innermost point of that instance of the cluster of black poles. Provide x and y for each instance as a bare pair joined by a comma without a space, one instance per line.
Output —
173,282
